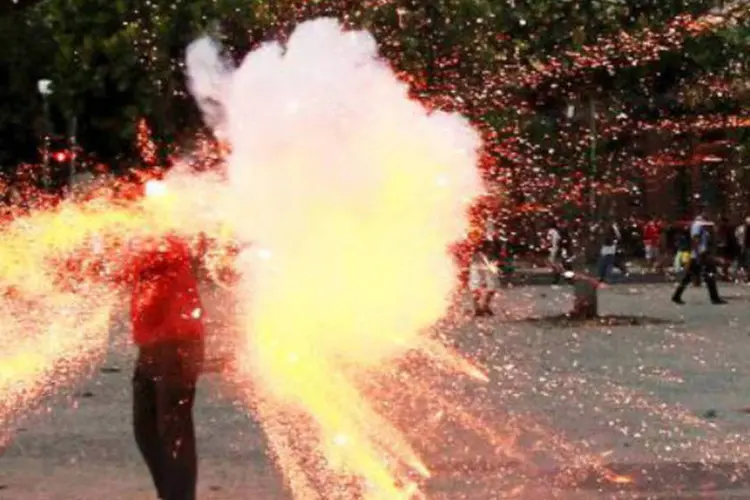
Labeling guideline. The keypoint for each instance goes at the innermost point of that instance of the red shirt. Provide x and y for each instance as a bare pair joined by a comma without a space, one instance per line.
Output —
651,234
165,303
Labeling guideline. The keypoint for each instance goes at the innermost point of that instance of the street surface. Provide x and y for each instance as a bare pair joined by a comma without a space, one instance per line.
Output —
572,411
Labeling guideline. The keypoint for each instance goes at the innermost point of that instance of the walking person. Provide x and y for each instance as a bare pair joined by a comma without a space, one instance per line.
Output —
607,252
726,247
651,243
701,262
566,247
484,278
554,239
619,258
742,235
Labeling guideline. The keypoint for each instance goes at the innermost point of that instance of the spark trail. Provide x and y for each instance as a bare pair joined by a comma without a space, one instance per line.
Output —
57,297
351,194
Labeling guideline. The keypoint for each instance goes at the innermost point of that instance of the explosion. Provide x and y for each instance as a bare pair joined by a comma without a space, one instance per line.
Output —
351,194
346,195
59,294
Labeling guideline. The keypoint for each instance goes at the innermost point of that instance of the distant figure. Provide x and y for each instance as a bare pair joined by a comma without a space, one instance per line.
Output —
726,247
607,251
566,245
554,248
484,273
742,235
619,259
701,262
651,243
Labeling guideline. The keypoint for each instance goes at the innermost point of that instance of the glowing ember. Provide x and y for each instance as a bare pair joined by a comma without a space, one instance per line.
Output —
59,277
616,478
145,143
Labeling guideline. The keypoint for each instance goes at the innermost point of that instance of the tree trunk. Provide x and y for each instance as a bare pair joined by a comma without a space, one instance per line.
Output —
585,302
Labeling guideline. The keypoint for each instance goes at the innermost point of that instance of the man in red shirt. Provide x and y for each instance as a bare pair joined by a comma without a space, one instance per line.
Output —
651,242
167,326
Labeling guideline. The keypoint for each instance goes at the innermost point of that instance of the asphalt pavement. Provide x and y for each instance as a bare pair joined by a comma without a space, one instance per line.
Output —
649,402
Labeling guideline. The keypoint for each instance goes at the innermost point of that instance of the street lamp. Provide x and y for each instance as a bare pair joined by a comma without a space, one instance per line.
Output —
44,87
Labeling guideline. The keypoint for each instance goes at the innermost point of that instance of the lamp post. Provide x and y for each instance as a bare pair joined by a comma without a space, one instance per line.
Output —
44,87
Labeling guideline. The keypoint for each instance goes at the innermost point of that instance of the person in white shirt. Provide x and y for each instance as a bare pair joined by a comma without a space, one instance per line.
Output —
701,262
554,239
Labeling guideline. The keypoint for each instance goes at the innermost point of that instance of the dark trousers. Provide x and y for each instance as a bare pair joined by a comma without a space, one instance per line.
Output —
164,383
604,266
700,267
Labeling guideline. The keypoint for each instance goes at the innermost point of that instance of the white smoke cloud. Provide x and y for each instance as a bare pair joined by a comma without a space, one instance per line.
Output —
351,193
354,189
209,73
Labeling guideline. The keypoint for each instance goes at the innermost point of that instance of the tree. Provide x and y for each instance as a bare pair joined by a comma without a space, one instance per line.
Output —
513,69
632,70
24,58
117,61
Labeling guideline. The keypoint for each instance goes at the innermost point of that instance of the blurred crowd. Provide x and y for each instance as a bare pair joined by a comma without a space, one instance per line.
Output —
650,244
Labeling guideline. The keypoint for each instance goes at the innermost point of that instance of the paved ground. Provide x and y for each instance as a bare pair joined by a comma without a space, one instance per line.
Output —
651,410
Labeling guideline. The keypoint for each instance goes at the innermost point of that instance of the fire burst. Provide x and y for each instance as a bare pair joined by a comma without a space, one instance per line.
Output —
351,193
59,283
347,195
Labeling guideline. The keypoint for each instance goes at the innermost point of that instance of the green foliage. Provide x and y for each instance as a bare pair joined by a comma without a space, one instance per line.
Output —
23,58
115,61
